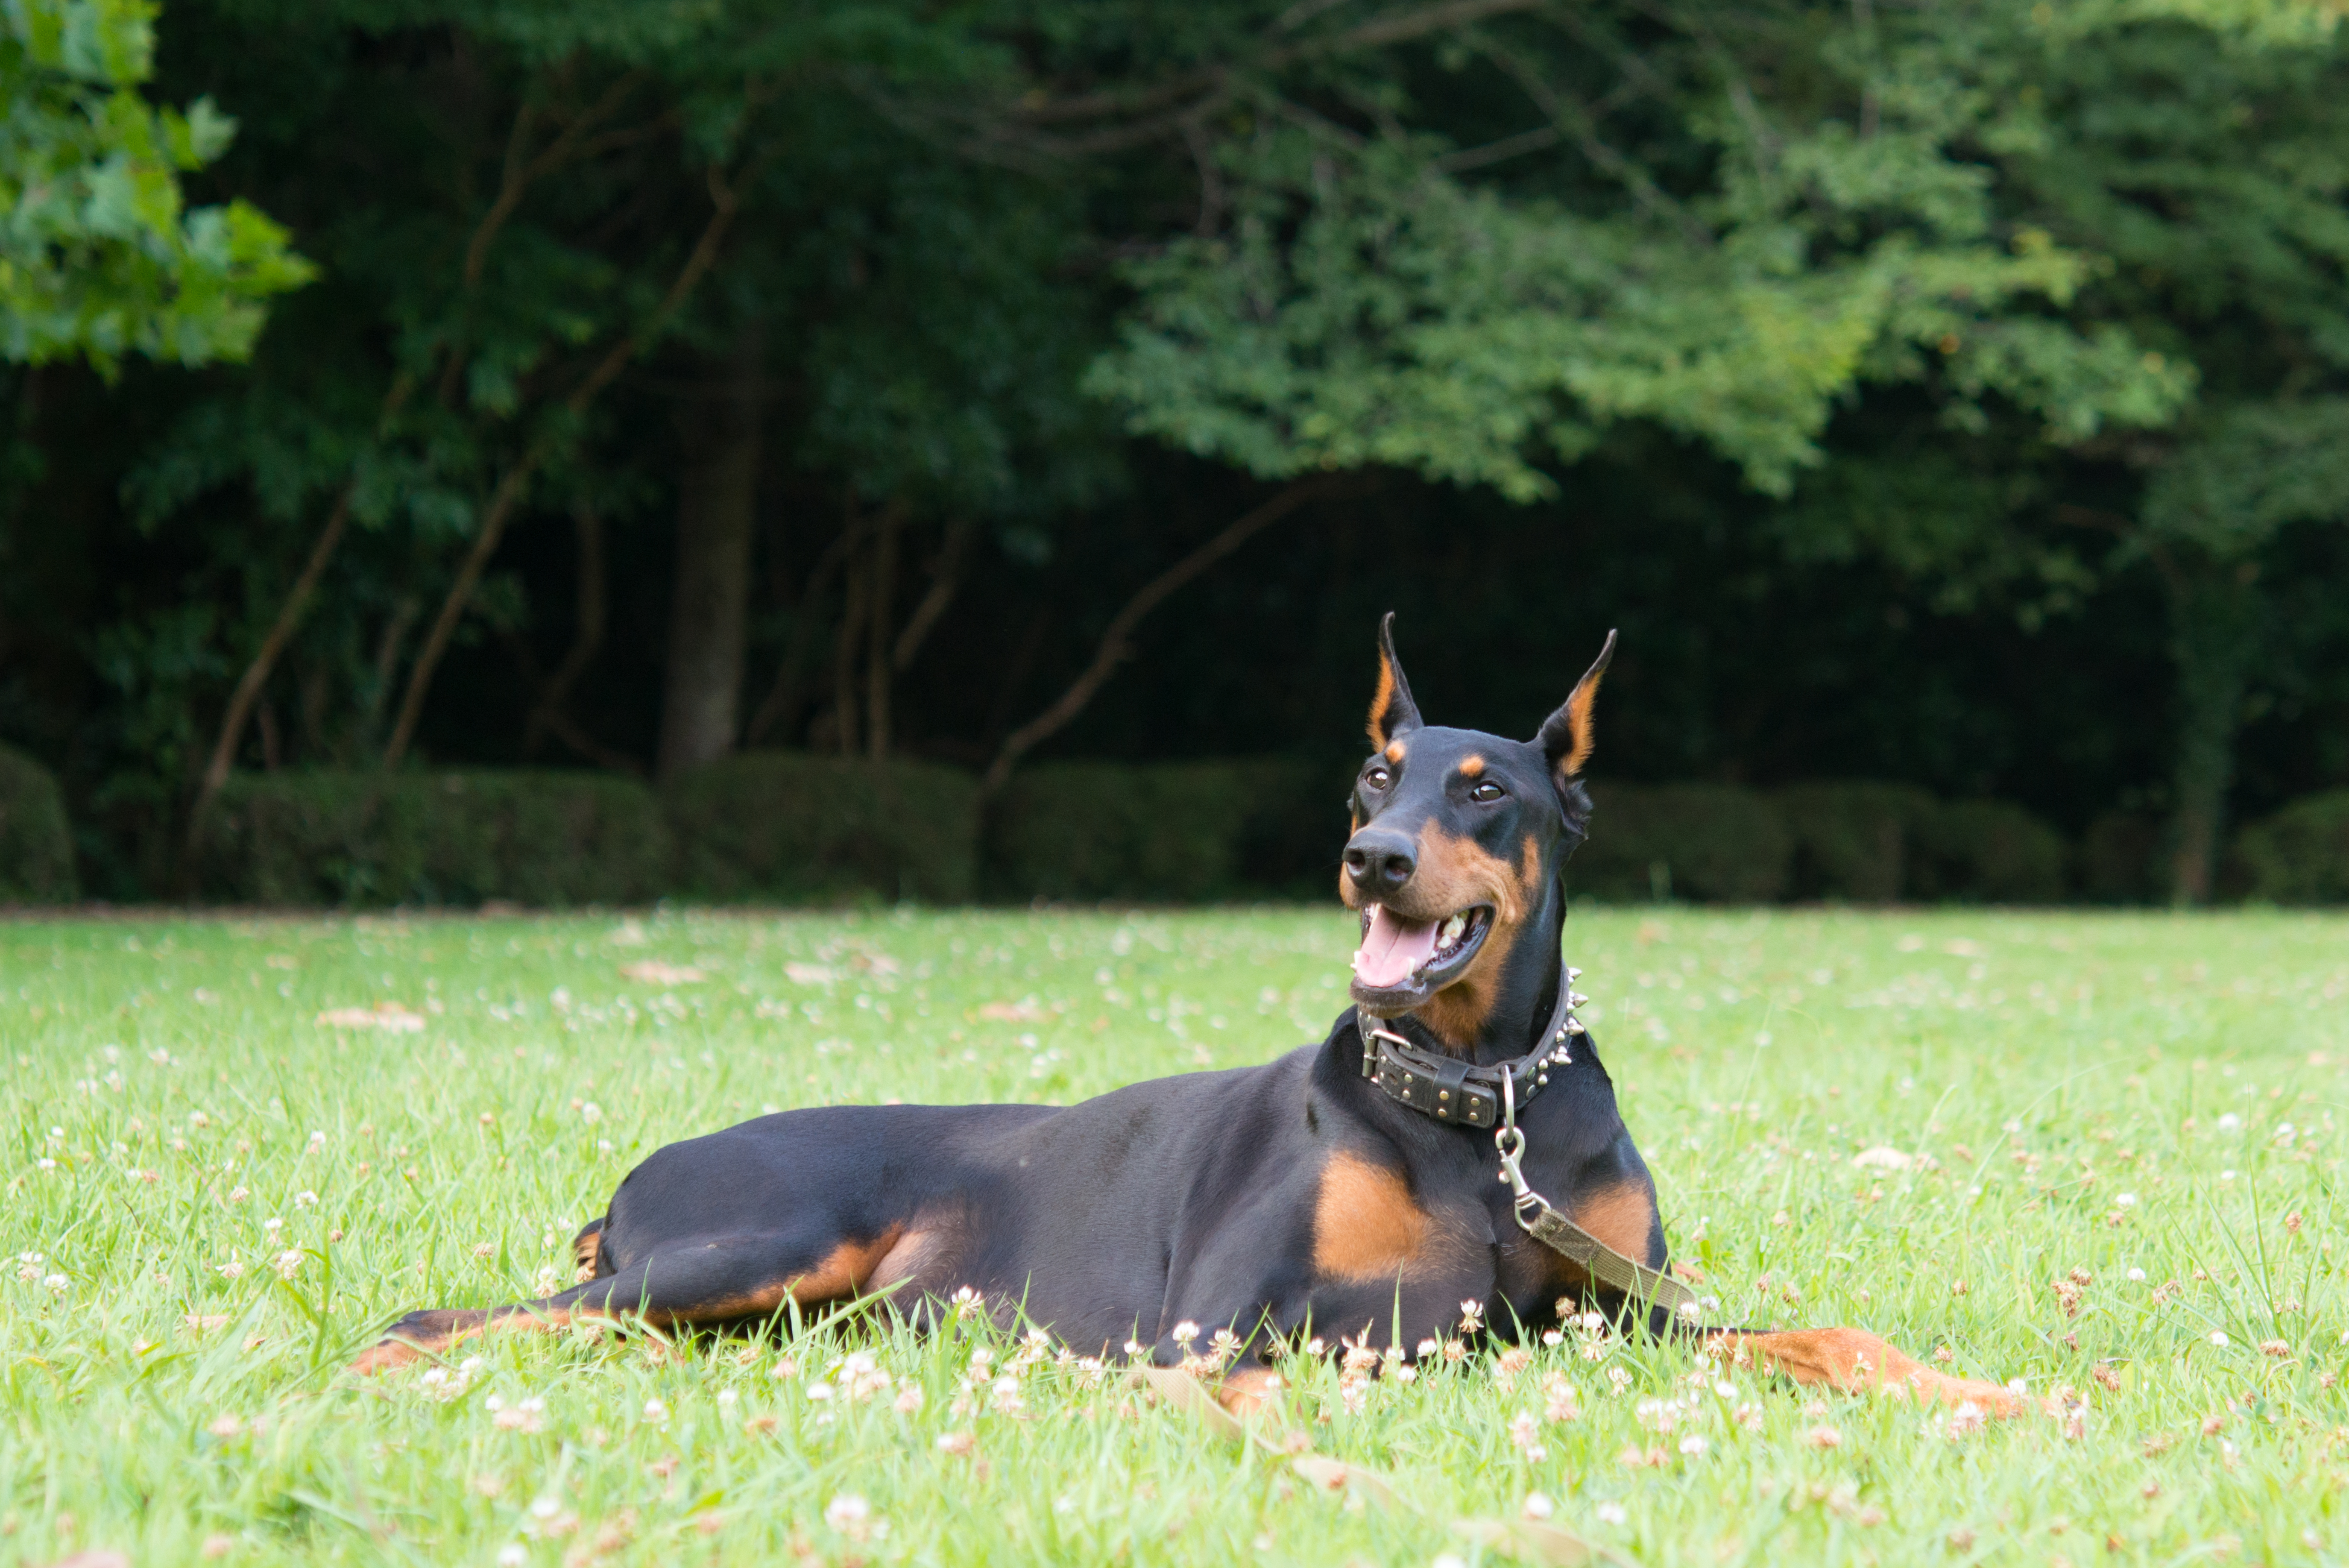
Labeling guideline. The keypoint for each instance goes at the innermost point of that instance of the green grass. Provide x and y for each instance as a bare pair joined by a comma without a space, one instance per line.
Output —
2108,1094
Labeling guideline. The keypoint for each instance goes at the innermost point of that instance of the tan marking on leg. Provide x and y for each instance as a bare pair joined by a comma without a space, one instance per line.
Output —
442,1331
1623,1217
1856,1361
843,1271
1365,1225
587,1247
912,1251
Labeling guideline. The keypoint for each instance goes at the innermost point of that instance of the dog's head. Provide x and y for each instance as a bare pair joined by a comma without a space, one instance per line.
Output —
1459,837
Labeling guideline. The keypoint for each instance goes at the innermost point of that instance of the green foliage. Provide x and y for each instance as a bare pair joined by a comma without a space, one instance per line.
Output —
1365,306
1715,844
99,256
36,846
1177,832
368,840
2300,855
788,827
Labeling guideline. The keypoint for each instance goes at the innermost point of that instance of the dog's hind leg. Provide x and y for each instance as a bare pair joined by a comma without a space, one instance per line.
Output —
1856,1361
705,1279
587,1249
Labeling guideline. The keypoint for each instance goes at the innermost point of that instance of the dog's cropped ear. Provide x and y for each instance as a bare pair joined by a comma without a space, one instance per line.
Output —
1566,735
1393,712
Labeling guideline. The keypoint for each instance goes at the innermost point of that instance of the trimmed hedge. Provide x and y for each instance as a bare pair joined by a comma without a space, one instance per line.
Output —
2121,859
1715,844
535,838
1853,842
1986,851
791,827
1864,841
795,829
1180,832
36,849
2300,855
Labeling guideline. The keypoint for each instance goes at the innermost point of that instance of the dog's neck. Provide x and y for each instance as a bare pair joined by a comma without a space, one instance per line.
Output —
1492,1017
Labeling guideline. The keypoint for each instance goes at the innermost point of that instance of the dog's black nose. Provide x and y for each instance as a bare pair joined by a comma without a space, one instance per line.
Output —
1380,862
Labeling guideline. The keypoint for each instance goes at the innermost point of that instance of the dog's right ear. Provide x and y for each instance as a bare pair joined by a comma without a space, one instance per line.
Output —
1393,712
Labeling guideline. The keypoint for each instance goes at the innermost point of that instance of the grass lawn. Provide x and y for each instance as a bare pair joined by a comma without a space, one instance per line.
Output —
2123,1159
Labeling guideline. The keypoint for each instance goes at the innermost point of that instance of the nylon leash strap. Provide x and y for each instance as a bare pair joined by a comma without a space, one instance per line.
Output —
1544,1223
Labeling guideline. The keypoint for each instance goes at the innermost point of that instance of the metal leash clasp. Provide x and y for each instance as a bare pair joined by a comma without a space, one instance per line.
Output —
1509,1140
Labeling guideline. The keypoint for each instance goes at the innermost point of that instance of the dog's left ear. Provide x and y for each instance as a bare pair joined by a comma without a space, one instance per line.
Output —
1566,735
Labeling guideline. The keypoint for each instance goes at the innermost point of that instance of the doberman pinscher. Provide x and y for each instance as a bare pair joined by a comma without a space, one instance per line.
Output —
1353,1189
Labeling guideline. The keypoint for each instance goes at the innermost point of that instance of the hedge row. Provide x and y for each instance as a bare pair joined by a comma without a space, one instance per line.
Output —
37,848
794,828
1857,842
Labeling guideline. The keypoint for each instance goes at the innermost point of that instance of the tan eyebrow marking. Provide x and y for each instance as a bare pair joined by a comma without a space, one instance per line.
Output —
1473,768
1395,752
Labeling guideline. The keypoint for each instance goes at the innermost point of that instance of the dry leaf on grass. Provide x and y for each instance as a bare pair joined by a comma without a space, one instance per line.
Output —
1012,1011
1185,1392
1529,1542
1335,1475
385,1015
652,971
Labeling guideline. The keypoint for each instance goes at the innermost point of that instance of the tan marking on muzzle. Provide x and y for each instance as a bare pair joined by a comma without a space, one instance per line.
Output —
1455,873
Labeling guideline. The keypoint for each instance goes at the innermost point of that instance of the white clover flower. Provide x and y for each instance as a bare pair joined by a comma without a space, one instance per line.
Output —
846,1512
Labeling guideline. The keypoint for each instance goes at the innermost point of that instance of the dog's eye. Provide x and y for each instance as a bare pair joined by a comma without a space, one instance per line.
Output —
1377,778
1487,791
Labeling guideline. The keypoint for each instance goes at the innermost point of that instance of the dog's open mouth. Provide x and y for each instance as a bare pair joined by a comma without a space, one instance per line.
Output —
1401,961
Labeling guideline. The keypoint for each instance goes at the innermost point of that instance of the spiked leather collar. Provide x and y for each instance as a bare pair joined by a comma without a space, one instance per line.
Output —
1435,1083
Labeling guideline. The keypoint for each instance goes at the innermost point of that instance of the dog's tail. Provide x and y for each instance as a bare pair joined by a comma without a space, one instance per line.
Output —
587,1250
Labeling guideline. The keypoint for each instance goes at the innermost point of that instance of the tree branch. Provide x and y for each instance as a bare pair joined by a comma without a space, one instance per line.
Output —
1117,641
509,493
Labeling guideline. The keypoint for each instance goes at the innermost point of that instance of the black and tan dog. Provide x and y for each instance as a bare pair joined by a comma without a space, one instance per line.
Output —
1321,1193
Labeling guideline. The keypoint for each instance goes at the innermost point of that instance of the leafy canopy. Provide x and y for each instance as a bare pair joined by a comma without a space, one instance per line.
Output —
99,255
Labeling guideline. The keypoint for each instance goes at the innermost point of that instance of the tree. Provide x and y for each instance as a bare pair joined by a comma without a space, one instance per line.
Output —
2194,155
99,255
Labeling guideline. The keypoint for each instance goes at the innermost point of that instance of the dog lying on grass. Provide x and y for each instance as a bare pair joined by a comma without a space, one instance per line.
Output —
1362,1188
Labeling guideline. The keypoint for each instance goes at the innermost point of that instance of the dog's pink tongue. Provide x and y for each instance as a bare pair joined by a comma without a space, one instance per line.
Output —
1392,949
